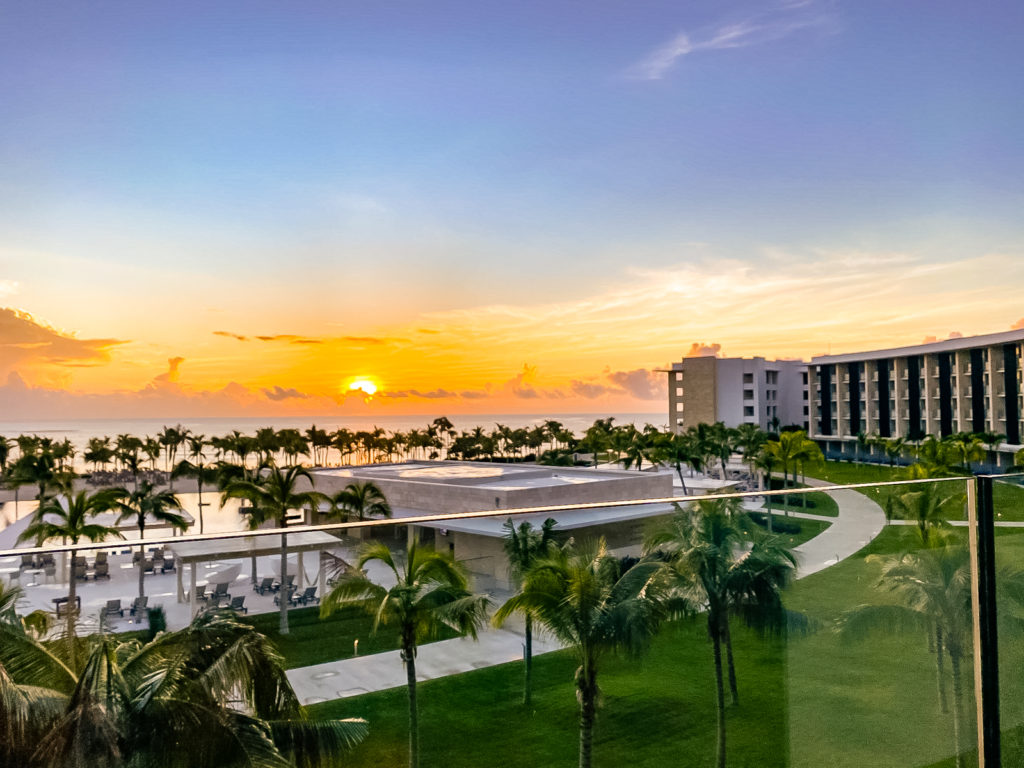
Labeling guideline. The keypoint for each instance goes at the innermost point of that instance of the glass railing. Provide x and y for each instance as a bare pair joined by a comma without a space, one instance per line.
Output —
845,637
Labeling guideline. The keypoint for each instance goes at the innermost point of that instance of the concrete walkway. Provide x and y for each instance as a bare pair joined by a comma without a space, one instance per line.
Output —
859,521
380,671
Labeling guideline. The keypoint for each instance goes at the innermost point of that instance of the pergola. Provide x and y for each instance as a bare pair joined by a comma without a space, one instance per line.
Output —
192,553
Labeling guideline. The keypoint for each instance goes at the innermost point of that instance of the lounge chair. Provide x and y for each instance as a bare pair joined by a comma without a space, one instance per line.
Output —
81,572
138,605
45,559
101,571
308,595
28,562
221,590
213,601
286,594
266,585
289,581
114,606
201,593
238,604
136,557
50,571
147,565
168,564
101,557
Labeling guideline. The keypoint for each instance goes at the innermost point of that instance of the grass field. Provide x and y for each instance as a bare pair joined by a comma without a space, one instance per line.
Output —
810,701
313,641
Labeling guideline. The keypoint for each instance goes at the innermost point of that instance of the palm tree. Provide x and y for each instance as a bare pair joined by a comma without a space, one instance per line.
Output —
583,597
713,567
68,519
272,497
360,501
792,450
933,590
430,593
523,547
202,473
146,505
212,694
929,506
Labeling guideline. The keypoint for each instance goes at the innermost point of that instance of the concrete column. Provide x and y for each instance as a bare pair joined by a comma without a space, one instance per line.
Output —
899,389
192,590
869,414
181,589
995,386
931,422
321,576
301,575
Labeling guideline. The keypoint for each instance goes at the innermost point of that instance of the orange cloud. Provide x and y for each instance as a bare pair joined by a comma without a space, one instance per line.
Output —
27,342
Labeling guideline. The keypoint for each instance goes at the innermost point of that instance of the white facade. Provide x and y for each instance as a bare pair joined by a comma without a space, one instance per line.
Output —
737,391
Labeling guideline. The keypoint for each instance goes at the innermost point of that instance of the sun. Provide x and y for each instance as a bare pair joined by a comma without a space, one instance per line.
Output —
365,386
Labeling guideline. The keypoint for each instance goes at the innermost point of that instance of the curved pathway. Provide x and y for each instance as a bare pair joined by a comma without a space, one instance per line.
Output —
860,520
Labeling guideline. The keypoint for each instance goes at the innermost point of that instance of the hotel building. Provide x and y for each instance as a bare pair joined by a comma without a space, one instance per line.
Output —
737,391
941,388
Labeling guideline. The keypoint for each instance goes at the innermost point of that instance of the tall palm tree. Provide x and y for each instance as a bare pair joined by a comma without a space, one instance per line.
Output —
203,475
360,501
715,566
68,519
933,591
430,593
582,596
212,694
147,505
791,451
524,546
272,497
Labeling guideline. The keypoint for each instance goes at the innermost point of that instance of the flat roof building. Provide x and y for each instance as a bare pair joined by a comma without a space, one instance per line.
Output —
737,390
968,384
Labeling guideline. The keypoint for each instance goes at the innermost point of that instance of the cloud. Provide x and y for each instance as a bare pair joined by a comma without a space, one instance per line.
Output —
1018,326
780,22
591,390
956,335
171,376
291,338
929,339
282,393
229,335
434,394
8,288
473,394
427,330
641,383
703,350
25,341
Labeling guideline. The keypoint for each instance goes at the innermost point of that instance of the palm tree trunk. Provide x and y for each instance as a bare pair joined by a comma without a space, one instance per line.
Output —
586,683
283,592
940,671
409,657
954,661
733,692
200,501
682,482
719,698
142,566
528,661
72,611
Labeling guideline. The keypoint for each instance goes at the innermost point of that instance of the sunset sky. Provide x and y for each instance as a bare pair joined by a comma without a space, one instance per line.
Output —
241,208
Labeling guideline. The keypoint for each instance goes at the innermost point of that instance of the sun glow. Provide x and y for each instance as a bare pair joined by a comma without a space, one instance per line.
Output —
366,386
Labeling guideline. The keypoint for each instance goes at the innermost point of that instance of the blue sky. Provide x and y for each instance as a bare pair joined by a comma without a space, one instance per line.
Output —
452,156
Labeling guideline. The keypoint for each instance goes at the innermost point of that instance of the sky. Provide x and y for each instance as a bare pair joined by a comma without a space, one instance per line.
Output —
243,208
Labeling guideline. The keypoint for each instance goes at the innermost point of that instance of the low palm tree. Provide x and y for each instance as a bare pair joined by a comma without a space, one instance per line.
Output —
715,565
147,505
931,507
203,474
360,501
430,593
524,546
210,695
582,596
68,519
274,495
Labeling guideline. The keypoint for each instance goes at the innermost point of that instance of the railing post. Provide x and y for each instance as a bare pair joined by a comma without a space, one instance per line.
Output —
981,526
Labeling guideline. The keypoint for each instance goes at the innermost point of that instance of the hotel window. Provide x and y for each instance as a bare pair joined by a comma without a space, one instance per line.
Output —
748,378
679,391
748,410
748,394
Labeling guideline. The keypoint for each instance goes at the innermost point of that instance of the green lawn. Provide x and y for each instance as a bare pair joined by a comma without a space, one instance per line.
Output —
817,503
313,641
810,702
1008,497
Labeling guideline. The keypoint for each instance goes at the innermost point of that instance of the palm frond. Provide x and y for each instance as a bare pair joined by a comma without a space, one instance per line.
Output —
311,744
